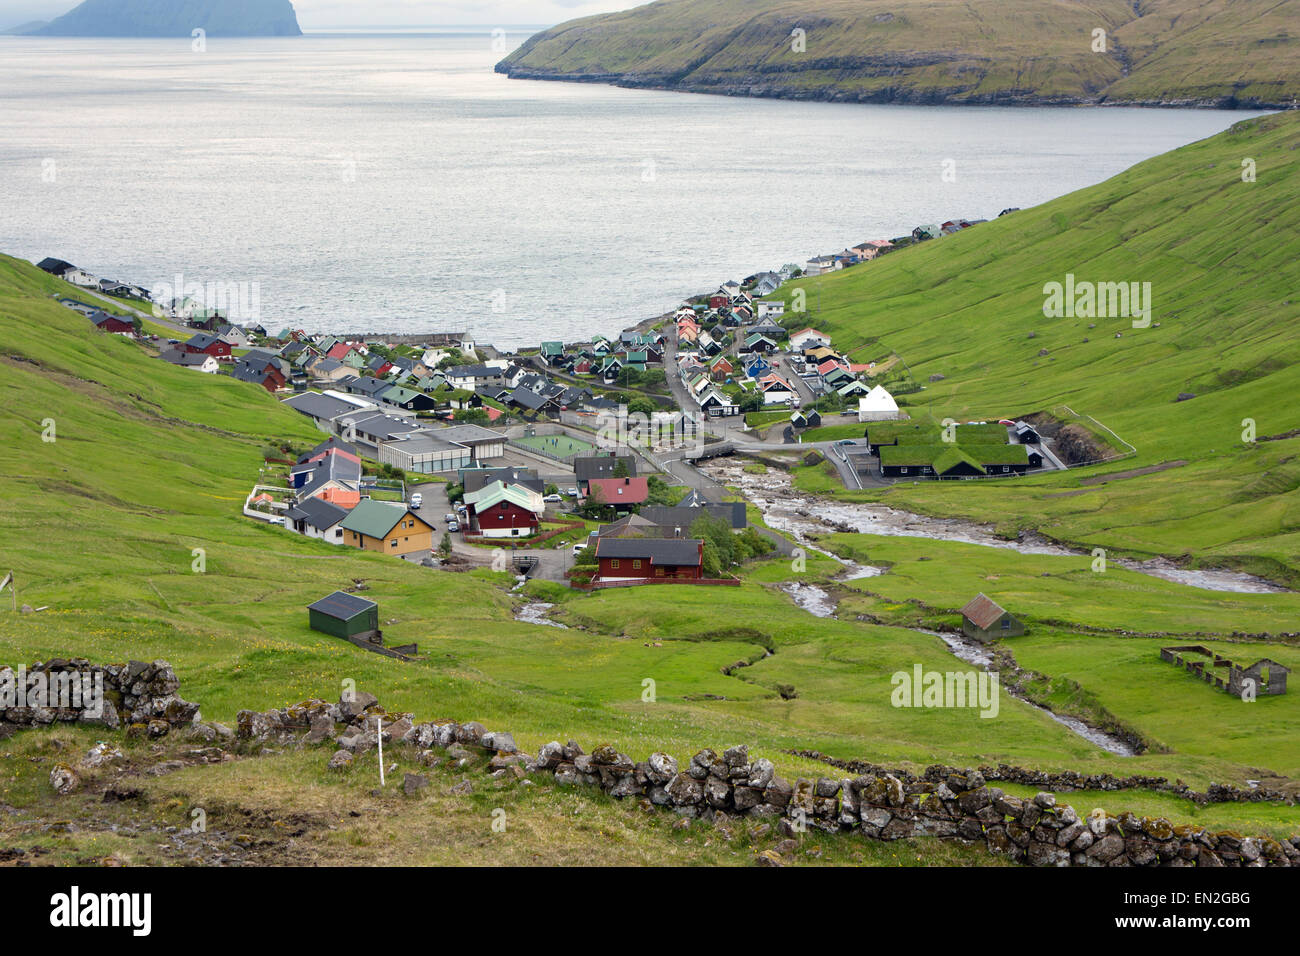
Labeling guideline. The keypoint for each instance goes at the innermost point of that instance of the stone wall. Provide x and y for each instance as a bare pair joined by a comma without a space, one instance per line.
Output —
957,804
1068,780
142,697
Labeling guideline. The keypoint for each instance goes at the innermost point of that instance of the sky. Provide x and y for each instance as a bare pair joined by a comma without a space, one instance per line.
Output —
331,14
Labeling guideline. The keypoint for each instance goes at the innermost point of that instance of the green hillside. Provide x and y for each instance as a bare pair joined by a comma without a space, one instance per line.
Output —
1176,52
1221,257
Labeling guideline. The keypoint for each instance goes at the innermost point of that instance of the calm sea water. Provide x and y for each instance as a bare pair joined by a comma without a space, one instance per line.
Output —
395,183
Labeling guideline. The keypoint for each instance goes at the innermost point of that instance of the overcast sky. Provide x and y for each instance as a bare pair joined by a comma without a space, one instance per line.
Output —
326,14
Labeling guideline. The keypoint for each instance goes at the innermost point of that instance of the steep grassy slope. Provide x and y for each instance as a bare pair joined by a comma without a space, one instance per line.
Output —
925,51
1221,255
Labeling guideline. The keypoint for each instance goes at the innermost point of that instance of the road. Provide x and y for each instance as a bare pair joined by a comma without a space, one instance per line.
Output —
182,330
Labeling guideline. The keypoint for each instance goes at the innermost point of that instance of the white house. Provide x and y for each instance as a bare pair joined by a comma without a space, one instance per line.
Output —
317,519
200,363
82,278
806,339
234,336
878,406
768,308
819,265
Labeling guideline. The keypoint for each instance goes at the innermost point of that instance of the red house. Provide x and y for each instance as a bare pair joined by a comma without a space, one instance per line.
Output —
719,302
622,493
501,510
112,324
650,559
205,344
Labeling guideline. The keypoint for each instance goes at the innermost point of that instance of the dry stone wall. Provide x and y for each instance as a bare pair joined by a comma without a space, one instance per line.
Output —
140,696
1069,780
955,804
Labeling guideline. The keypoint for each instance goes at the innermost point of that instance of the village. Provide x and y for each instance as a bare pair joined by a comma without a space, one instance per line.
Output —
444,451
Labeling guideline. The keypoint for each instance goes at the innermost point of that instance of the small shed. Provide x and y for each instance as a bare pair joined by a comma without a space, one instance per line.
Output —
344,615
983,619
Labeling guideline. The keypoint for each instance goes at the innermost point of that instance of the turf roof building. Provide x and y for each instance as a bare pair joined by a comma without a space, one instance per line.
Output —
953,460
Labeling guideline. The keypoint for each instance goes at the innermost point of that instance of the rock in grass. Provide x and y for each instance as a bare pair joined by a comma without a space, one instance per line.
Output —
101,754
63,779
341,760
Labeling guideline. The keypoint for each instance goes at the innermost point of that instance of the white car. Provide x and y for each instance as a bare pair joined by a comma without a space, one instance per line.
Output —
578,549
551,499
453,526
417,500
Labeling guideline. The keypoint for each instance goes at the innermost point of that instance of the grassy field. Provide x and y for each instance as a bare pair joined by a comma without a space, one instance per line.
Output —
1221,258
1016,51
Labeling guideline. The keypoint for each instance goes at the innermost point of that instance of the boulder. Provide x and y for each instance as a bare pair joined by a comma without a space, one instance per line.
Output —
341,760
63,779
352,706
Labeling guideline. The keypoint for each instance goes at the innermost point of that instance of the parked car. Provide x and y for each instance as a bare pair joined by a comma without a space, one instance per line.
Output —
572,492
578,549
277,519
417,500
551,499
453,525
449,518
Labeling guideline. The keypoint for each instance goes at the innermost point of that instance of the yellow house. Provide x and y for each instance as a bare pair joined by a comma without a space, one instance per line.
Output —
386,527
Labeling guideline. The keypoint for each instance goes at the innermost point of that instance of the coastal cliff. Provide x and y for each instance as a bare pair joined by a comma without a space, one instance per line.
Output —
1014,52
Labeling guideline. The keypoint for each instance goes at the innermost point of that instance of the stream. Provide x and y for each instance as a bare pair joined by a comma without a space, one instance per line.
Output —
791,514
536,612
786,510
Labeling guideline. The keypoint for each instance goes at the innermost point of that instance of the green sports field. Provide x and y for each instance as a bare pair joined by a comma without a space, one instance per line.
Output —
561,446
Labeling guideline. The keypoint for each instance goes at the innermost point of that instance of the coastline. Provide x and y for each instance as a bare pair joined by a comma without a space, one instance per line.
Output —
894,97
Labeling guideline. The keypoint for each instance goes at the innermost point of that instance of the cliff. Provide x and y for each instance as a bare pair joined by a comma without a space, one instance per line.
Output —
1030,52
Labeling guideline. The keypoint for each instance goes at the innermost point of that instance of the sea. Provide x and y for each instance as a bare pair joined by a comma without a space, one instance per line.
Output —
394,183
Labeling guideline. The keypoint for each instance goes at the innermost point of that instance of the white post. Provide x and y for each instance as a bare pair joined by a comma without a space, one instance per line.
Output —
381,749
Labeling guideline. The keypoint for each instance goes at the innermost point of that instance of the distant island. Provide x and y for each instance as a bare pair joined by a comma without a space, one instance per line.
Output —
1013,52
151,18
